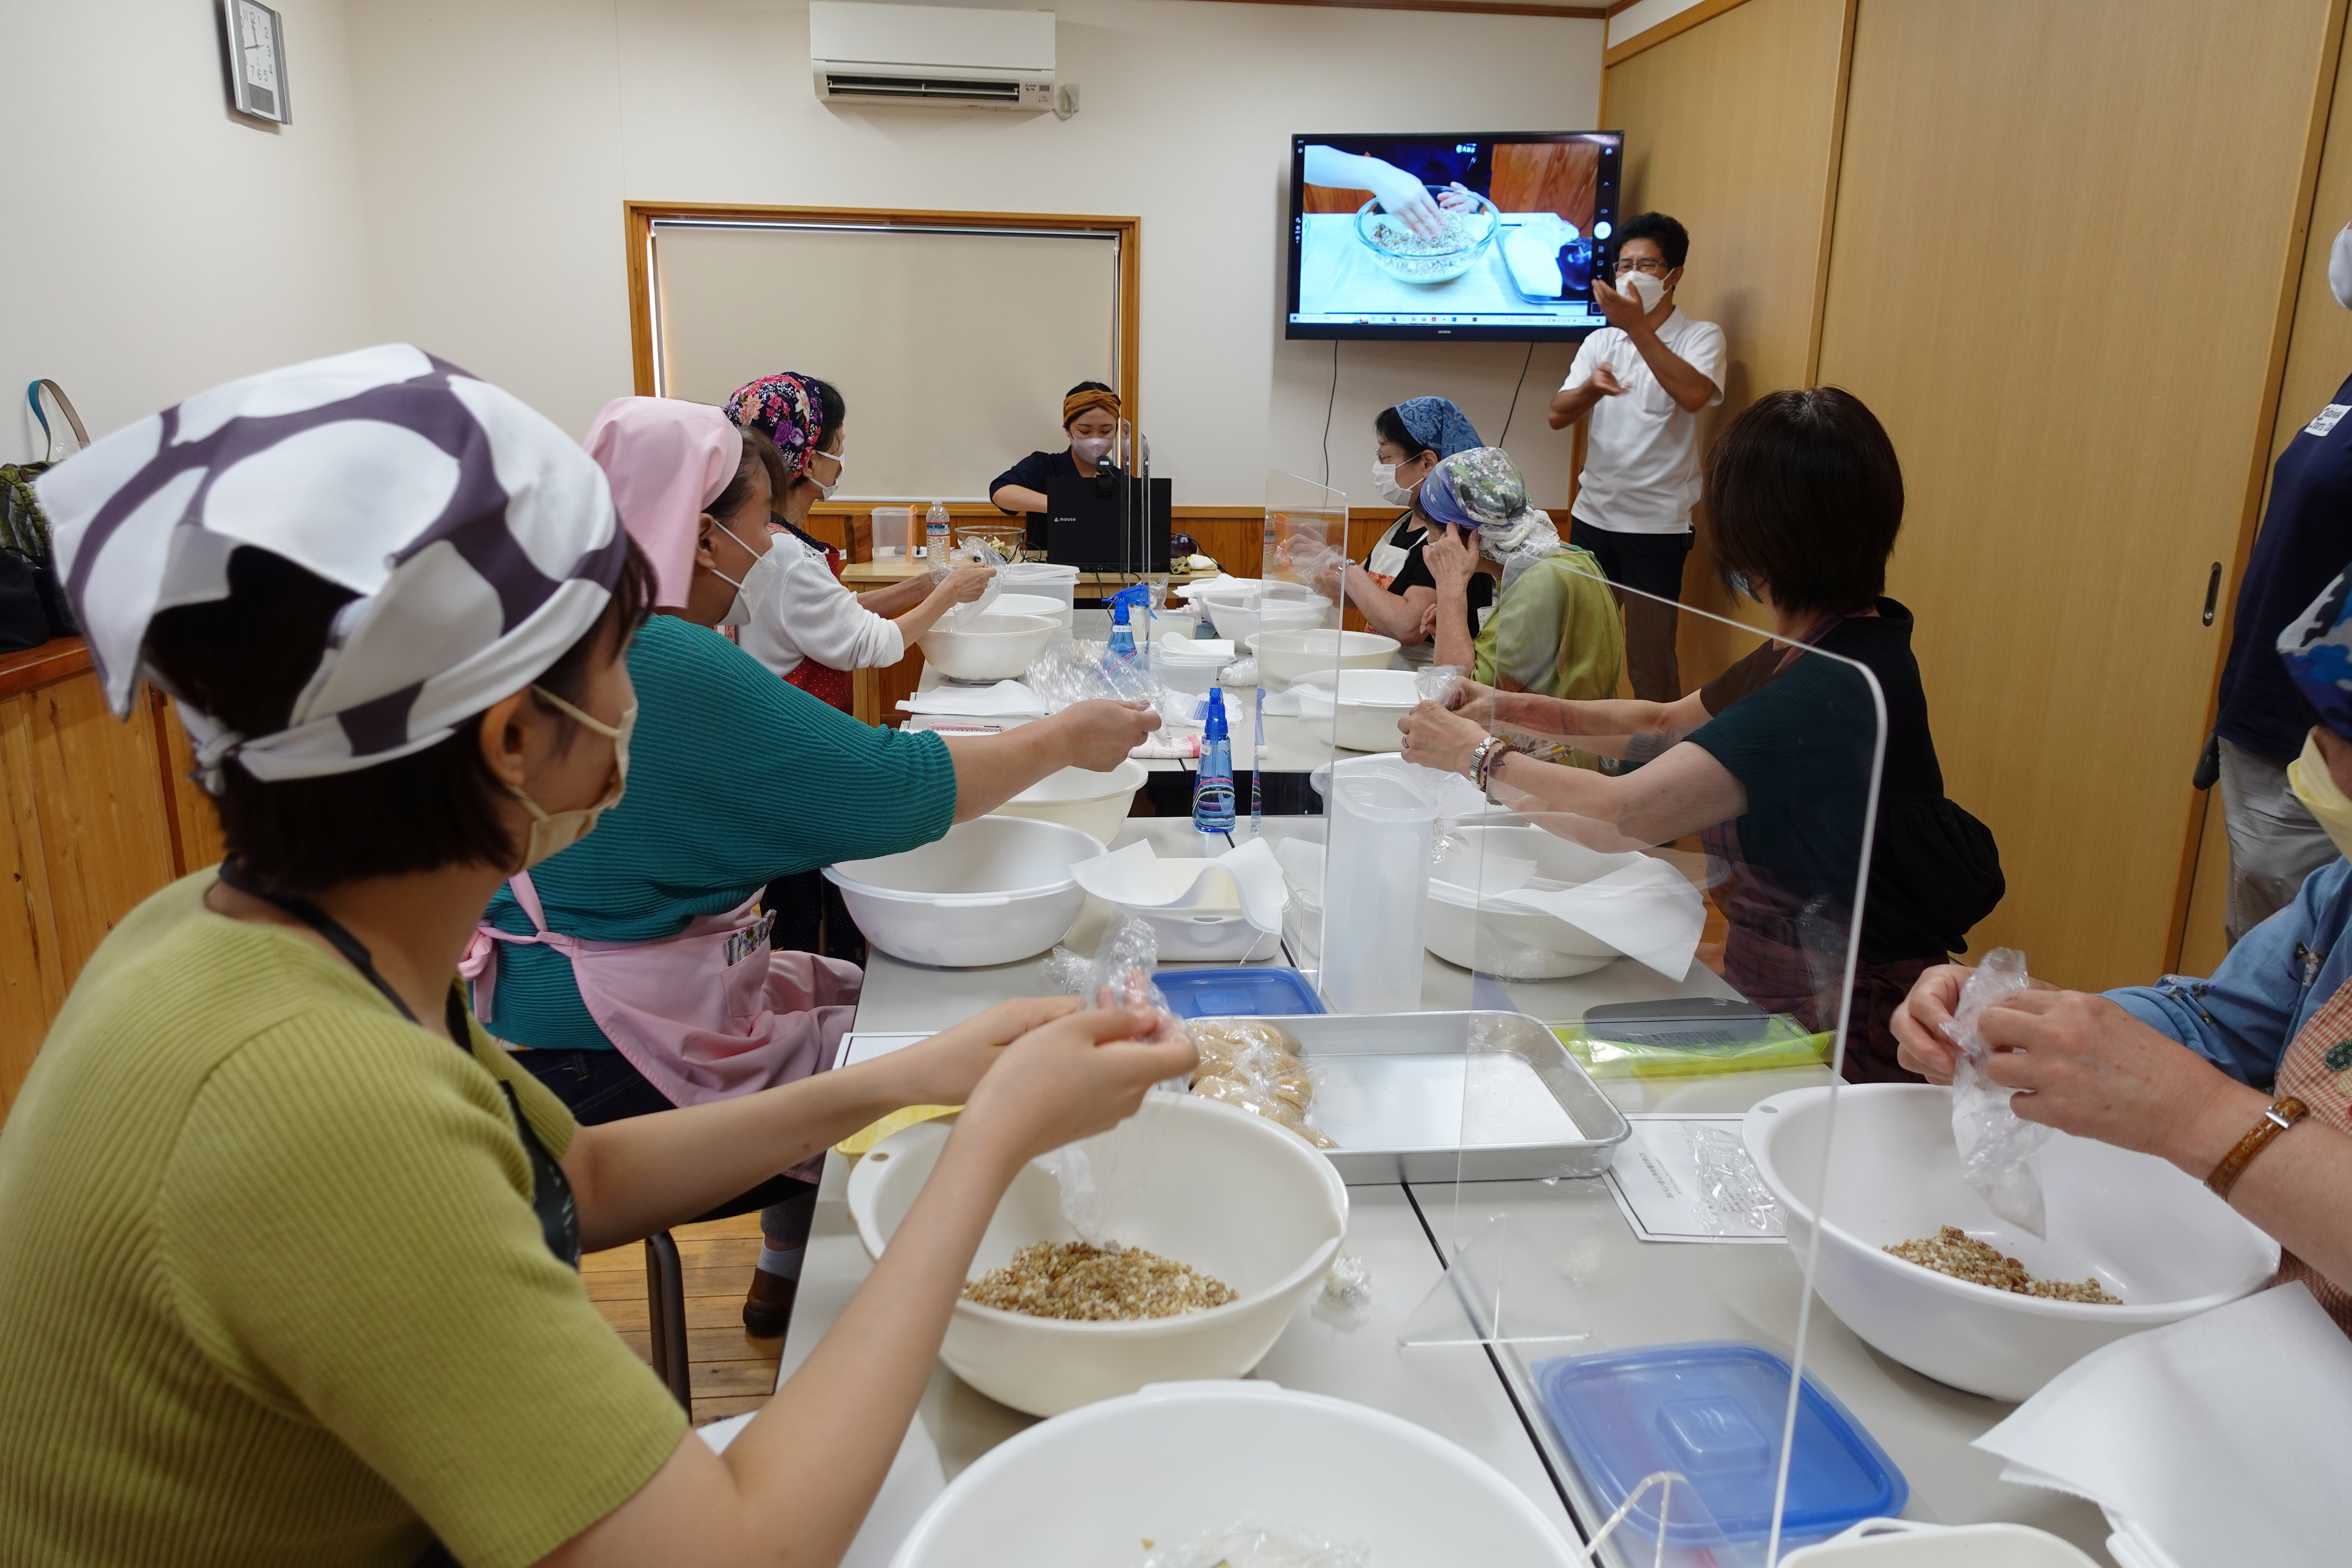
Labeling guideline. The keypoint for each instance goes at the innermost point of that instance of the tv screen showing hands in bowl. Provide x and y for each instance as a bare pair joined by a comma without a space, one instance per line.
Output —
1471,236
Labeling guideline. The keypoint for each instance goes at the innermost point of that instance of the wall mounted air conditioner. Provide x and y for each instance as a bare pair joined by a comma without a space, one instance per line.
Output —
937,54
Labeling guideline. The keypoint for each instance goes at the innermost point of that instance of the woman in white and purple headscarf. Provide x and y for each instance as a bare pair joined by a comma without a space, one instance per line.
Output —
288,1246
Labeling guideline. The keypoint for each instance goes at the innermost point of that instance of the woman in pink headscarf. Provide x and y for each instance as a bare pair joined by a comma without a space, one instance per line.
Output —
637,967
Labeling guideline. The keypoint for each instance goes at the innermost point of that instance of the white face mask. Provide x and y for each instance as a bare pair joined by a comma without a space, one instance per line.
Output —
1091,448
840,467
753,589
1649,290
554,832
2339,267
1384,480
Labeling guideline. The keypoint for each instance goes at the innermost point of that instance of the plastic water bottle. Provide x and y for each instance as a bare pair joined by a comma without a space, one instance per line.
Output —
935,533
1213,782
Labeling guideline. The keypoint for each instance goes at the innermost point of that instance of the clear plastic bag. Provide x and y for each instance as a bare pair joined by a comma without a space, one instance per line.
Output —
1259,1543
1094,1173
1438,682
1732,1197
983,553
1997,1146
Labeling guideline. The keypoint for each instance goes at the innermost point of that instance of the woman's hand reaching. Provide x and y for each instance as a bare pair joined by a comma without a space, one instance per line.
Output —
1080,1075
1437,738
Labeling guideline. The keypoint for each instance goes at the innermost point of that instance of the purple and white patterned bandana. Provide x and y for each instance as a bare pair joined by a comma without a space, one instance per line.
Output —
785,408
479,537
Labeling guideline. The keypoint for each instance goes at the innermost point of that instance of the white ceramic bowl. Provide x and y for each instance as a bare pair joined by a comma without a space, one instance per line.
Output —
2149,1233
987,647
1369,703
1095,804
1028,604
1241,612
995,889
1470,926
1313,653
1179,1459
1231,1193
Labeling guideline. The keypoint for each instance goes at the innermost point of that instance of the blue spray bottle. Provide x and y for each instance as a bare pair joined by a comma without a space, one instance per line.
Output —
1213,782
1122,635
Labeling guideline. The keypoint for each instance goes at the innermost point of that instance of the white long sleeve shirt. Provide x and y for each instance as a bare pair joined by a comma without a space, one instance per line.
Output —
809,615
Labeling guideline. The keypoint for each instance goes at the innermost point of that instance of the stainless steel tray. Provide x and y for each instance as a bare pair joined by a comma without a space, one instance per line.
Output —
1389,1087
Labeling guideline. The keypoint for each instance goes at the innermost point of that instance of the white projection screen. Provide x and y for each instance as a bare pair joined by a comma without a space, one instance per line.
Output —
952,342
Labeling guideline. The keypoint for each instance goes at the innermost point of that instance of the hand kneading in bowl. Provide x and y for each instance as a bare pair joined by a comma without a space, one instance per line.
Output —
2236,1079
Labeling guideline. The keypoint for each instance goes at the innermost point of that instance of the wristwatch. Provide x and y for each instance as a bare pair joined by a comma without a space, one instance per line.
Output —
1483,759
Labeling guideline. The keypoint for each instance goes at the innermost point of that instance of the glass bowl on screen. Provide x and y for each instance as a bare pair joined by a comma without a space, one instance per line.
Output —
1464,235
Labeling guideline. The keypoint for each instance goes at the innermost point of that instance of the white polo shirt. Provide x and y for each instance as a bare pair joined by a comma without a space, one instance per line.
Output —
1640,447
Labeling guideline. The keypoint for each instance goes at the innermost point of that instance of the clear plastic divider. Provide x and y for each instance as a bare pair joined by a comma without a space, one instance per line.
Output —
1657,908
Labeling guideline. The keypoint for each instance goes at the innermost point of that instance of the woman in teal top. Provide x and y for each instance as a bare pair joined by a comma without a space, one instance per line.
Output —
674,868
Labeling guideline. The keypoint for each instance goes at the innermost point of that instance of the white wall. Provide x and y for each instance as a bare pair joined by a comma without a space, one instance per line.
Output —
1642,16
156,244
500,138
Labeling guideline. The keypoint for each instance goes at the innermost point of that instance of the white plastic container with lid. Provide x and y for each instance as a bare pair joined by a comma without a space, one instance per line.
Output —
1907,1543
894,532
1183,665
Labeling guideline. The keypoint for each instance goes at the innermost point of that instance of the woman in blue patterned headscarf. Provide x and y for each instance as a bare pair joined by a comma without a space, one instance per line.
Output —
1391,586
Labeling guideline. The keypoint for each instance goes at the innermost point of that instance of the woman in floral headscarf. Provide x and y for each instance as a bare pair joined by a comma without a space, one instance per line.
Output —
1554,629
808,627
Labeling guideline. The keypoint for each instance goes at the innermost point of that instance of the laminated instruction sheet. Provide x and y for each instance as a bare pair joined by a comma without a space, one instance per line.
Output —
1685,1177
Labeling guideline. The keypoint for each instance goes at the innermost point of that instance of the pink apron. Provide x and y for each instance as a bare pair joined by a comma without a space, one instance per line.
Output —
709,1014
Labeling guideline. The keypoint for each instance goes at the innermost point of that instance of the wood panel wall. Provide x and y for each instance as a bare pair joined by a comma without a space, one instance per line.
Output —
95,814
1732,128
2081,387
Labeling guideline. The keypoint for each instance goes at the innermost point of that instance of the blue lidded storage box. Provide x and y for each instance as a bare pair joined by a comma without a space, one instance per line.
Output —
1712,1412
1236,992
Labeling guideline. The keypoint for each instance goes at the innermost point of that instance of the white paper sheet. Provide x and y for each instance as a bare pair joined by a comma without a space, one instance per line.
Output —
1646,911
1003,700
2215,1440
1655,1178
1246,877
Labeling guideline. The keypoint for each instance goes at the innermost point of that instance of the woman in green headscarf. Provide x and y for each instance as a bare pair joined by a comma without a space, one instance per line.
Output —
1554,629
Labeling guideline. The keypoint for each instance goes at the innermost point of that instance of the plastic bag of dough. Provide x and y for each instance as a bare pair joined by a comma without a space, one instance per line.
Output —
1250,1063
1997,1146
1094,1173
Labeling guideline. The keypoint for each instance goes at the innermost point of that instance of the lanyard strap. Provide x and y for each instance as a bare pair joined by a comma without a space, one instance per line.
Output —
326,925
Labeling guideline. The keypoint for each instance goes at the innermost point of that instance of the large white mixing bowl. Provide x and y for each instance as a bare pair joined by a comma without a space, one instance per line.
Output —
995,889
1470,926
1313,654
1095,804
1180,1459
1229,1192
989,646
2149,1233
1242,612
1369,703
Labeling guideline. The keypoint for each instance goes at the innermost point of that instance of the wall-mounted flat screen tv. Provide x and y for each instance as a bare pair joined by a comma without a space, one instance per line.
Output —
1471,236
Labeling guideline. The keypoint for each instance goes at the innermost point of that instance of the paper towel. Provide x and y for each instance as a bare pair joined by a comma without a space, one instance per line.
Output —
1646,911
2209,1443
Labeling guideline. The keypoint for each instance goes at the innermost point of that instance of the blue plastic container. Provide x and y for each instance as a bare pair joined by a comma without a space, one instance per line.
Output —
1712,1413
1236,992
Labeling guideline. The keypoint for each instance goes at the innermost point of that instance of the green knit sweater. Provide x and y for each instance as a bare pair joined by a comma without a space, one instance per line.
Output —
735,779
272,1289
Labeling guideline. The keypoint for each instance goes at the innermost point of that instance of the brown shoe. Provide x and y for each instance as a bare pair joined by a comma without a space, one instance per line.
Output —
768,1309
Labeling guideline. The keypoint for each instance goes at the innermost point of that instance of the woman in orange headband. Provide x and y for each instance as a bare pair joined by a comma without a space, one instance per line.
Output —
1090,416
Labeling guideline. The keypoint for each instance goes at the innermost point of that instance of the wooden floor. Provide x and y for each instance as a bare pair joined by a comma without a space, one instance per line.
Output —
732,1370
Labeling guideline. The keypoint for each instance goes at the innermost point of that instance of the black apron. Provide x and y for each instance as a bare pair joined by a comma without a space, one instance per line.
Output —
551,1190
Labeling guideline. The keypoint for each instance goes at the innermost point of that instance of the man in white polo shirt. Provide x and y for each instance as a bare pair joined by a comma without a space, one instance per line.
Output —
1643,378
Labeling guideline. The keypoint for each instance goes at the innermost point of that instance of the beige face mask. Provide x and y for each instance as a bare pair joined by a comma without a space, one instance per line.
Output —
552,833
2314,786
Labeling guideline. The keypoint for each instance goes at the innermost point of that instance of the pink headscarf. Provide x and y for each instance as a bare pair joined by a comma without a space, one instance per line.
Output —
666,459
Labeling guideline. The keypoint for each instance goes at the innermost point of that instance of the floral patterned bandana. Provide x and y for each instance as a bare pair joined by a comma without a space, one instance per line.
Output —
2316,648
1481,490
785,408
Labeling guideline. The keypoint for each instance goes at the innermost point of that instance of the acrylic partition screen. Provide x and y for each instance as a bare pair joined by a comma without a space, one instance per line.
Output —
1657,908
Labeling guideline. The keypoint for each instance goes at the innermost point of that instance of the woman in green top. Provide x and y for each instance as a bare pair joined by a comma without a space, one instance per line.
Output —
1554,629
285,1243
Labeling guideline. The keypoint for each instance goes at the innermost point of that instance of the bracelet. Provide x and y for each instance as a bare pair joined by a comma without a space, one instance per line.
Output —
1489,756
2276,1119
1475,770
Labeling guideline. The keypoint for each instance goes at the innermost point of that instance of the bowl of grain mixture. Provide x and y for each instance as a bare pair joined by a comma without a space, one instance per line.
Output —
1219,1224
1464,235
1914,1261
